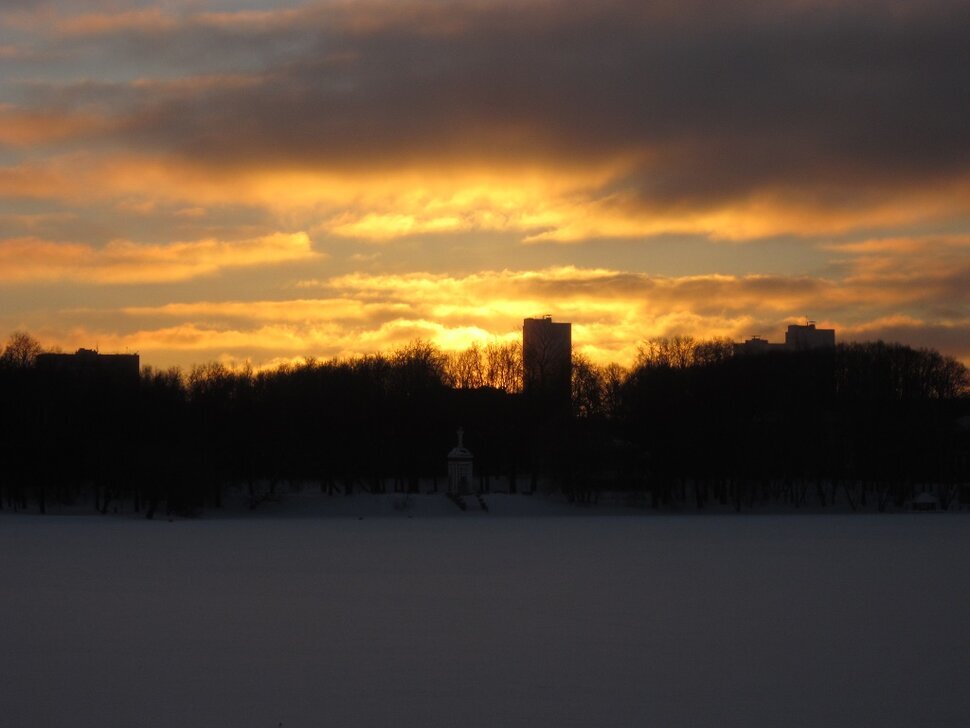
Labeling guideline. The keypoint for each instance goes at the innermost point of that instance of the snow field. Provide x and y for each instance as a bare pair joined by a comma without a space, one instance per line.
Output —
794,620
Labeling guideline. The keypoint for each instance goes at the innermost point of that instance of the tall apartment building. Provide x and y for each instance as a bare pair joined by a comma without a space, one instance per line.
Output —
547,358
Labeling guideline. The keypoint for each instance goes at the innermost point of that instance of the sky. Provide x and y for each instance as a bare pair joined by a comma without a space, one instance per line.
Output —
244,181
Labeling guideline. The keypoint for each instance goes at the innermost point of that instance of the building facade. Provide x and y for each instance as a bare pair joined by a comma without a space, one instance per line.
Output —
798,337
89,364
547,358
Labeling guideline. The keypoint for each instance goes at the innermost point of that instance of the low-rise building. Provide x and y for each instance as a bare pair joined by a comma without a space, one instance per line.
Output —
798,337
90,364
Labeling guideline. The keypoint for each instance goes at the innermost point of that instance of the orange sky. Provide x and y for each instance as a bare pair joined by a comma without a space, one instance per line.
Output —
246,181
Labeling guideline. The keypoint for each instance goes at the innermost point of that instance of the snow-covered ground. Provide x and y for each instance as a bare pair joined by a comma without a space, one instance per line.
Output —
474,620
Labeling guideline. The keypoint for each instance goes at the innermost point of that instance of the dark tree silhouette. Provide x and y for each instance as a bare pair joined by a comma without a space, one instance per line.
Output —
867,426
21,351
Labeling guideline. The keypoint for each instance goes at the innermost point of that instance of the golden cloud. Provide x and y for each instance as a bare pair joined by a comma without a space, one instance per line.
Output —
299,310
373,120
543,203
121,261
156,21
27,127
611,311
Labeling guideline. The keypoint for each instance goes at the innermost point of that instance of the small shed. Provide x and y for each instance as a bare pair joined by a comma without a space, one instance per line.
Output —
460,467
926,502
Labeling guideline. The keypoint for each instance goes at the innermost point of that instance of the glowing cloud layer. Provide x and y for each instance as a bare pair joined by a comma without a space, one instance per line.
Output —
458,165
125,262
611,311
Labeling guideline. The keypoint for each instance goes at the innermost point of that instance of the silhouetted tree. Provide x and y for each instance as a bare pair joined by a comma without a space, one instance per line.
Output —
866,424
588,388
466,369
21,351
503,366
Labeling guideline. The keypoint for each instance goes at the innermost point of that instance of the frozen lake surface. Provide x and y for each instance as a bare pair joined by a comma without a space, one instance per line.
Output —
794,620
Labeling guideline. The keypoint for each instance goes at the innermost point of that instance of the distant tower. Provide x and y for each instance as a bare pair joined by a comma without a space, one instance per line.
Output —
547,359
460,466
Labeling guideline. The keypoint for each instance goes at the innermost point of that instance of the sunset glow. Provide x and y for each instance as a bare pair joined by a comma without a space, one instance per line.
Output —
258,182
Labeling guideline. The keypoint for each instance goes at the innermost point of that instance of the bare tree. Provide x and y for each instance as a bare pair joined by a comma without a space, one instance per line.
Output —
417,365
588,387
713,351
503,366
613,378
465,369
666,352
21,351
680,352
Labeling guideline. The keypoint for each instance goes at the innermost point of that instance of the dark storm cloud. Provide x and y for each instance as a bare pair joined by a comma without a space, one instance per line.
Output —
819,96
810,98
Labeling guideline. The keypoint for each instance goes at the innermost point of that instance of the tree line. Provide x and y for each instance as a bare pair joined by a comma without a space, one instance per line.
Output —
689,424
